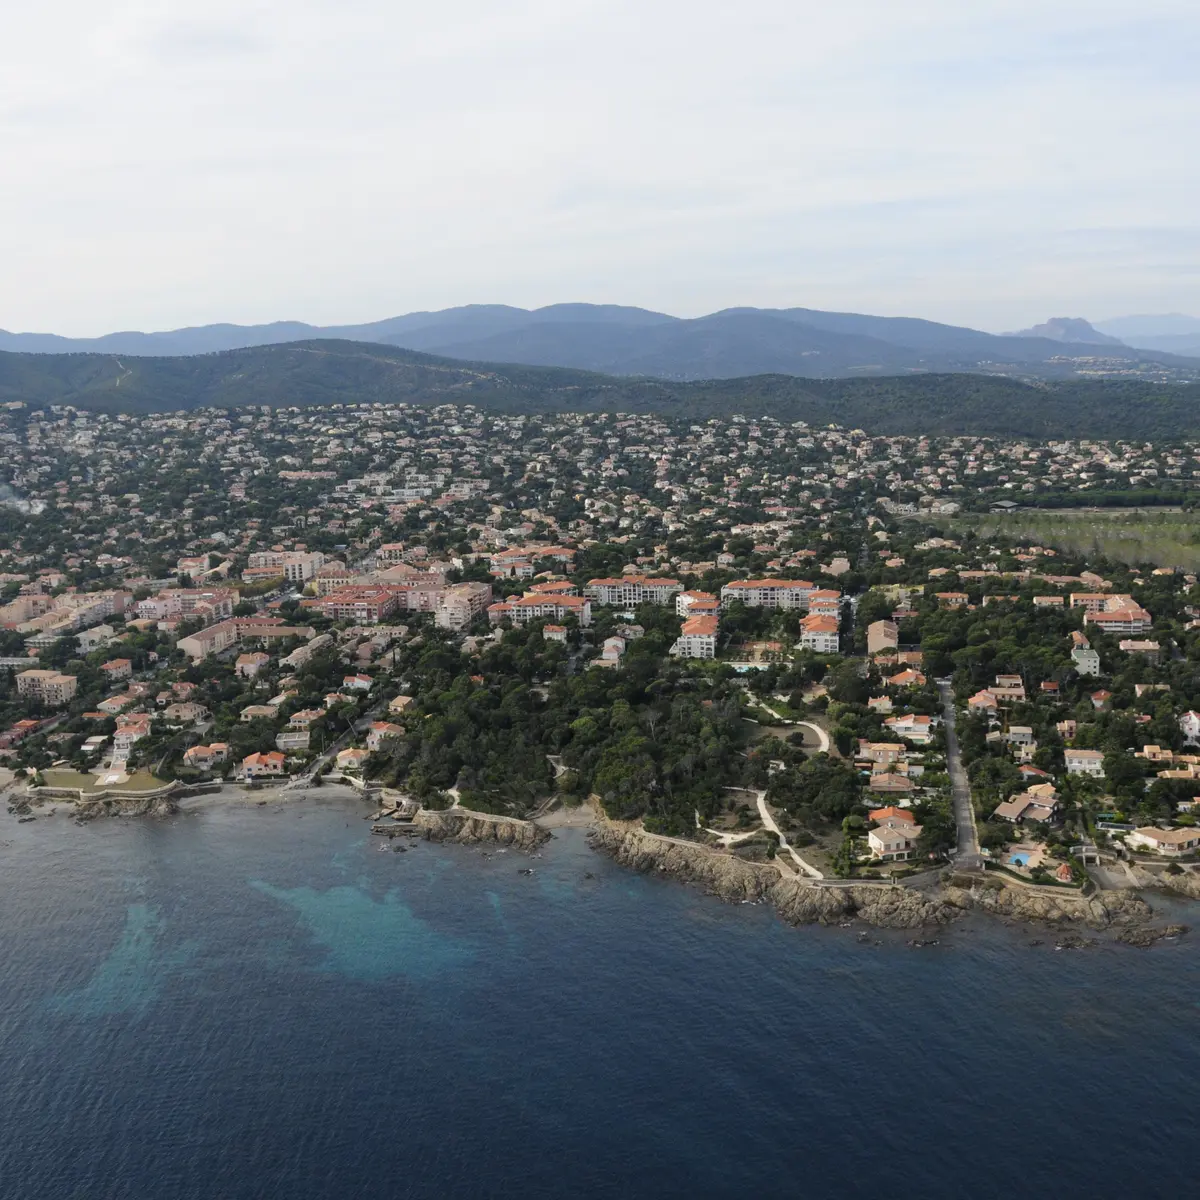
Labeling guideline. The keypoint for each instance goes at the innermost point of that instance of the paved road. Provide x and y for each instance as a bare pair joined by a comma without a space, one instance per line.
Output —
967,853
343,740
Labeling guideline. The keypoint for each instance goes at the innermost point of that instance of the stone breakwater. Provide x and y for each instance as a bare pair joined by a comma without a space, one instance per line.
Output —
883,905
467,828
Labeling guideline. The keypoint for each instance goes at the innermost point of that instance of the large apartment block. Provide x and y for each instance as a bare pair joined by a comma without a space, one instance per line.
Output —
218,637
460,605
48,687
629,590
785,594
697,638
296,566
1117,614
535,606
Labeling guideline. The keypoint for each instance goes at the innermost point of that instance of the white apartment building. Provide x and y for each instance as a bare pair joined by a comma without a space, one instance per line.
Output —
534,607
689,604
786,594
697,638
629,590
819,633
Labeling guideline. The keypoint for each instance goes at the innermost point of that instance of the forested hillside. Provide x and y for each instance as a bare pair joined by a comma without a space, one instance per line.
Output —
330,372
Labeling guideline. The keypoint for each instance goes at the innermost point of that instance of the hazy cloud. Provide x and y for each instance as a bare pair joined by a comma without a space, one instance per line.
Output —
168,162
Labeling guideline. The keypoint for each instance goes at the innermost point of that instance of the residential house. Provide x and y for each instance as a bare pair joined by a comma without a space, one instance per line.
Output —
292,740
895,840
248,666
1038,805
884,753
912,727
186,712
204,758
258,712
117,669
1008,689
263,766
1189,724
610,653
1149,650
1171,843
1084,762
380,733
352,759
130,730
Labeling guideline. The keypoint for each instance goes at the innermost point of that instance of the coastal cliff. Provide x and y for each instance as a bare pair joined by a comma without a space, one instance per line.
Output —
1100,910
797,901
89,809
802,902
464,827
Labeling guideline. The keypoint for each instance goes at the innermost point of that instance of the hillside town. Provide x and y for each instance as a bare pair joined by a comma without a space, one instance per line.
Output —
770,638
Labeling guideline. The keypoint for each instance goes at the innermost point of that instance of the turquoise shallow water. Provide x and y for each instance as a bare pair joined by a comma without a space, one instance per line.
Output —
253,1003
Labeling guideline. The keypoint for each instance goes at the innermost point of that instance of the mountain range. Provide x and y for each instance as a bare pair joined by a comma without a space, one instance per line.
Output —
1168,333
627,341
329,371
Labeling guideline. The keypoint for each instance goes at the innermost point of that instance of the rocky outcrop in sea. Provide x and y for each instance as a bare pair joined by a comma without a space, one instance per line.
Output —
471,828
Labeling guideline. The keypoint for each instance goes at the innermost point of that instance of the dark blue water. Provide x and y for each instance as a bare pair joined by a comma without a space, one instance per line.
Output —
253,1003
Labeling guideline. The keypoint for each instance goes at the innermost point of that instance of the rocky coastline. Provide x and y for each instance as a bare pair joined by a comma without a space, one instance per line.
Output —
1125,915
466,828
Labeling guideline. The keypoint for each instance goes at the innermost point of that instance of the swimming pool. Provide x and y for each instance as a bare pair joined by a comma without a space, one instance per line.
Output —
1019,860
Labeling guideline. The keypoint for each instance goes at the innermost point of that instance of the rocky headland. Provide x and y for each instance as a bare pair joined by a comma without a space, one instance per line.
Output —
463,827
892,906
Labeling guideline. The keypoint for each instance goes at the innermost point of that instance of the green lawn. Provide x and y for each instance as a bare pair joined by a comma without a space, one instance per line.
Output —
1167,539
140,781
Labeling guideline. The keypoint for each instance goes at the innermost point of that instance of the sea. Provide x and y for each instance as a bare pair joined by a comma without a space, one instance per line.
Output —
242,1003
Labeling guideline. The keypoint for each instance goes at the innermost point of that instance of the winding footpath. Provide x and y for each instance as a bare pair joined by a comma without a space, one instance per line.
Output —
769,822
823,742
966,854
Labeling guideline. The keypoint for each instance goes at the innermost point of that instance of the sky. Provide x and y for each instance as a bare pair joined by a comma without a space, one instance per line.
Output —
983,162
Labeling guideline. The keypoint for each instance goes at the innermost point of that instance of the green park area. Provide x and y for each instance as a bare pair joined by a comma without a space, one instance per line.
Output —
139,781
1166,539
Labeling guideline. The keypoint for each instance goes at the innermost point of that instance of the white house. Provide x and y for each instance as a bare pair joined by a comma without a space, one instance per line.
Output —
1169,842
1190,724
1085,762
894,840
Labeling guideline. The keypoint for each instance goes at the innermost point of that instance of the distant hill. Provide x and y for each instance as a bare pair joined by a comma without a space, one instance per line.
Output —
1068,329
1171,333
620,340
1129,329
344,372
